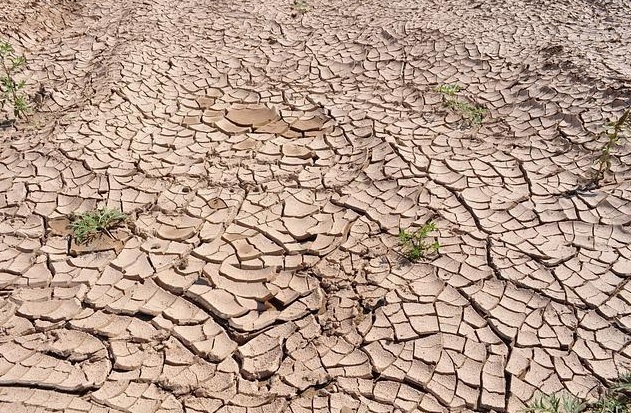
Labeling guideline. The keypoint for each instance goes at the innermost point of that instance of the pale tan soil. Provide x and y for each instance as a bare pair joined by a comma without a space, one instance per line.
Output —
267,159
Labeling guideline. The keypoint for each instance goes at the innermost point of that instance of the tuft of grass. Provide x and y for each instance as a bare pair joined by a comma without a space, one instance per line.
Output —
623,384
417,244
474,114
86,225
566,403
11,90
301,6
614,131
616,398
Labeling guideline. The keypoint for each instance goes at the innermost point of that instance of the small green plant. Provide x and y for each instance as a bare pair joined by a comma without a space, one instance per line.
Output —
88,224
416,245
616,398
449,90
301,5
555,404
614,131
11,90
472,113
623,384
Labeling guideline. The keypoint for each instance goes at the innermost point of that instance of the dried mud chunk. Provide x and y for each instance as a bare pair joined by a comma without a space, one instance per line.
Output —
260,357
25,362
255,116
306,125
217,301
100,242
276,127
134,397
209,340
230,128
53,310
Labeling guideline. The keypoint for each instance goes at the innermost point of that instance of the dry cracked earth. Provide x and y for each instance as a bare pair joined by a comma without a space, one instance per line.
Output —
267,155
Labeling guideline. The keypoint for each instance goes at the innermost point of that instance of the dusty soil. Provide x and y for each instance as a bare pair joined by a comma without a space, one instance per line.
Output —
267,155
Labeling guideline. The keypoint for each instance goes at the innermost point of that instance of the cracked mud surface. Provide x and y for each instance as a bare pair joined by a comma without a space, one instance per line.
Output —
267,159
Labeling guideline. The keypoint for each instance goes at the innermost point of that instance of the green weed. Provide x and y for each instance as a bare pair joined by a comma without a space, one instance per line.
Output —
449,90
301,5
555,404
614,131
472,113
616,398
11,90
88,224
416,245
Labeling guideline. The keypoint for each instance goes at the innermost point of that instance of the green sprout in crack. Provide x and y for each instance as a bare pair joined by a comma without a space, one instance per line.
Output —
615,131
301,5
622,384
417,244
472,113
555,404
614,398
449,89
11,90
88,224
